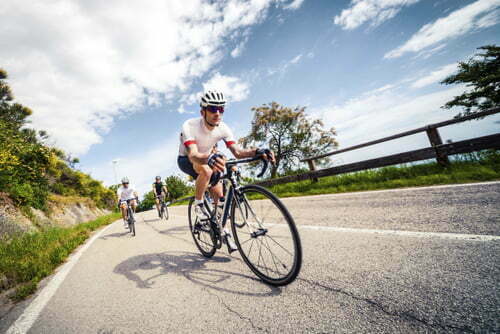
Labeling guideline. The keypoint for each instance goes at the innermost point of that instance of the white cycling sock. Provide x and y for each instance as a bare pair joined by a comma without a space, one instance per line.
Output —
198,201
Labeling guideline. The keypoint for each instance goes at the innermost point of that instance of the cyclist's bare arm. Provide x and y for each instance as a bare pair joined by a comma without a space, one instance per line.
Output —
240,153
202,158
195,156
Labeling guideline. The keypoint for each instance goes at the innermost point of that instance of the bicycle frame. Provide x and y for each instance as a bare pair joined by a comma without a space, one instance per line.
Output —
232,188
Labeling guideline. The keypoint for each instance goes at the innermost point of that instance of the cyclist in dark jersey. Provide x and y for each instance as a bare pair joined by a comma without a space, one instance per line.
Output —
160,191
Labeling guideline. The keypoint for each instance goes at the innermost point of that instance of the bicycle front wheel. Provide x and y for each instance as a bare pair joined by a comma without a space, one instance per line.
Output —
131,223
165,212
266,235
202,232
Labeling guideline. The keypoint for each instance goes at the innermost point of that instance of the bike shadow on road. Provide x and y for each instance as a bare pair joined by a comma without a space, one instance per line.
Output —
114,235
193,267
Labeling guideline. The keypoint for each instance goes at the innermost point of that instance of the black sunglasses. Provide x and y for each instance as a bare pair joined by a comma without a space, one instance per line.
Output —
214,109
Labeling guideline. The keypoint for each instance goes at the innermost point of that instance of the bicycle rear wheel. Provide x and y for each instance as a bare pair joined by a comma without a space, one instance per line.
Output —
267,240
202,233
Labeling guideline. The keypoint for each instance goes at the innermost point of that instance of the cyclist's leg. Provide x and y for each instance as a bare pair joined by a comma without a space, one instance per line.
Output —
216,192
133,204
157,201
123,208
204,174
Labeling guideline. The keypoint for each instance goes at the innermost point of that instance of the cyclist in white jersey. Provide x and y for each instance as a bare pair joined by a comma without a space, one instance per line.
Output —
198,137
126,192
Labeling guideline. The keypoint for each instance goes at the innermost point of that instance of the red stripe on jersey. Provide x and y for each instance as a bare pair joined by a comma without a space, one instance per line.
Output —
229,143
189,142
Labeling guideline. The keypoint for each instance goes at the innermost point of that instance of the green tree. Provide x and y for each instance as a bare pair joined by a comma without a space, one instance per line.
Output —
290,134
481,74
177,187
13,113
29,169
147,202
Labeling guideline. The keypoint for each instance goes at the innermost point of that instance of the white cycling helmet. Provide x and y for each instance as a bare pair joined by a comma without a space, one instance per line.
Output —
213,98
125,180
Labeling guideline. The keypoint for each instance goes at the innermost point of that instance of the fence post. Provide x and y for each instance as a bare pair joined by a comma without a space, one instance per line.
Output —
435,139
312,168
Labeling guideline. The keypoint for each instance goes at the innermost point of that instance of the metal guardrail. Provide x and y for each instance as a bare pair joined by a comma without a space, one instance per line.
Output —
437,150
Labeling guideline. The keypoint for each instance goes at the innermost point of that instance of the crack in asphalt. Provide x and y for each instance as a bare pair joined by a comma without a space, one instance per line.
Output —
402,315
242,317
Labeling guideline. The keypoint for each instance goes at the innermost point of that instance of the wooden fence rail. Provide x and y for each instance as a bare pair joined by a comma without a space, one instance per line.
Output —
437,150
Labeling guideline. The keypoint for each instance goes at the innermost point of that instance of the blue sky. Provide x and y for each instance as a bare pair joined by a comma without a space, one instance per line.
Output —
118,80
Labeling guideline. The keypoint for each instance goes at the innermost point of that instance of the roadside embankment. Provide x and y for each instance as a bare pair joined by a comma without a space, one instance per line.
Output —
61,211
34,242
27,258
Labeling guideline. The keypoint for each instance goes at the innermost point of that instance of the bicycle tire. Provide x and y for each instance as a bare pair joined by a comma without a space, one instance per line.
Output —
294,268
241,225
131,222
165,211
206,246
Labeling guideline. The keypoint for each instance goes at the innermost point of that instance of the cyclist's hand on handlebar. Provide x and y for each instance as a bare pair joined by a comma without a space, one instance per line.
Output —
266,154
217,162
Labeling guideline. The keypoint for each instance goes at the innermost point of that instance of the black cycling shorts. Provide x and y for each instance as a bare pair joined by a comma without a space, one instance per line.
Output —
187,167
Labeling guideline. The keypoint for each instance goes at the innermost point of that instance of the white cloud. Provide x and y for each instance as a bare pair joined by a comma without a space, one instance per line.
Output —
376,11
296,59
435,76
478,15
283,67
294,4
81,64
233,88
182,110
382,112
425,54
238,49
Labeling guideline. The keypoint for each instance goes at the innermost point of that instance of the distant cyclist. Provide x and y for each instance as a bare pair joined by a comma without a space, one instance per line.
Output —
160,191
126,192
197,139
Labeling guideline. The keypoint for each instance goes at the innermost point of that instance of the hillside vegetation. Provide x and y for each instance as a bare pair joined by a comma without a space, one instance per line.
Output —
31,170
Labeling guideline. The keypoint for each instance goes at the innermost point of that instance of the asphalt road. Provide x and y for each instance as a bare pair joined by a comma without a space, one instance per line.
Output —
356,277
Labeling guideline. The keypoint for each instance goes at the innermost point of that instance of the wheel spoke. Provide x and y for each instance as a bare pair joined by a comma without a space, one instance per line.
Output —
279,245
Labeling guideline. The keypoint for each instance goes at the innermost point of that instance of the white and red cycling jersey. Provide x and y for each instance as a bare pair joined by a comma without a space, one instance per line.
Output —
194,131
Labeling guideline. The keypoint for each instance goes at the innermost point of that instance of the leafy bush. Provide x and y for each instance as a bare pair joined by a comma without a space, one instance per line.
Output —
177,187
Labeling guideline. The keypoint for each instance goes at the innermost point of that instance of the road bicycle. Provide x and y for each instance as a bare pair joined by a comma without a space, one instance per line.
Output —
163,208
263,229
130,216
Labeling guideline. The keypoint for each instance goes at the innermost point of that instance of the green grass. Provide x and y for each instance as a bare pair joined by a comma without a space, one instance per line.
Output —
467,168
26,259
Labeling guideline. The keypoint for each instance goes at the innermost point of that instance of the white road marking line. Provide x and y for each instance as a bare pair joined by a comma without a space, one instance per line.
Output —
354,193
416,234
442,235
28,317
